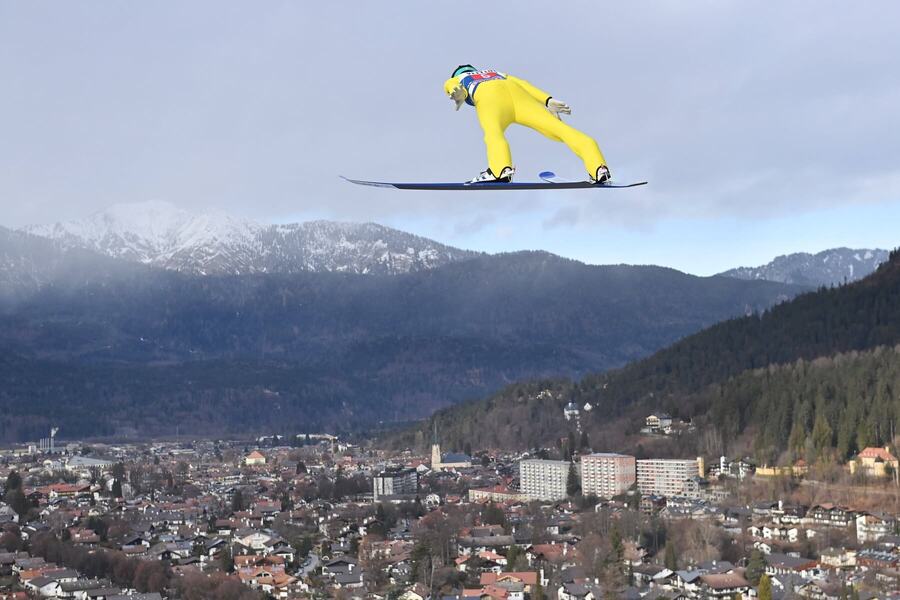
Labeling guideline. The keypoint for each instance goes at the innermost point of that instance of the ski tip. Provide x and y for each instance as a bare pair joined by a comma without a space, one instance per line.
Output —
368,183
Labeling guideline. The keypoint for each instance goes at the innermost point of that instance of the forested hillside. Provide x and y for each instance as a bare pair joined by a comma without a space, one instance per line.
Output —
728,373
107,347
837,405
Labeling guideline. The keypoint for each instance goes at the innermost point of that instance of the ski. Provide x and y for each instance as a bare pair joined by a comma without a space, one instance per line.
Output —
549,181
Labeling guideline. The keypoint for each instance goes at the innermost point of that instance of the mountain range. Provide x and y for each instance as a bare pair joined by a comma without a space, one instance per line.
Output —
829,267
214,243
148,314
159,234
104,344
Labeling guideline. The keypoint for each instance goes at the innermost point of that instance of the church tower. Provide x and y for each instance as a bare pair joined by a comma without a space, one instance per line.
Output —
435,451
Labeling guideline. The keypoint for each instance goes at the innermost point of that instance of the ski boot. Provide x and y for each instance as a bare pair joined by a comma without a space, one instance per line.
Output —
487,176
602,175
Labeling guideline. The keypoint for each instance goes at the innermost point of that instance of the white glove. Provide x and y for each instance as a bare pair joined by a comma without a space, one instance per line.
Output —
558,106
459,95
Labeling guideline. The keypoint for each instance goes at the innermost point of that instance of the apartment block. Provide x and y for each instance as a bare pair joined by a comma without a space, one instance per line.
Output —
665,476
607,474
543,479
395,482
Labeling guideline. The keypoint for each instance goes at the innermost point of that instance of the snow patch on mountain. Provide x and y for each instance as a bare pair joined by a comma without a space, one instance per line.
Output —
829,267
162,235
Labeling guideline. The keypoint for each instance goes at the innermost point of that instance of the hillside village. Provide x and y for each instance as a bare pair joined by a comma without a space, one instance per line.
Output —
314,517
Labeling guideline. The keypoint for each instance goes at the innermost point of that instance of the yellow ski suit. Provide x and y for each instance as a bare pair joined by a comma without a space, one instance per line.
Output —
501,99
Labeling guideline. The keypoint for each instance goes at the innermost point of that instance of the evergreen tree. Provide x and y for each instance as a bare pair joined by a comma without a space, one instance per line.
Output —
821,435
18,502
572,484
237,501
226,560
618,549
117,488
303,547
13,481
670,559
756,567
513,556
493,515
98,526
421,561
765,588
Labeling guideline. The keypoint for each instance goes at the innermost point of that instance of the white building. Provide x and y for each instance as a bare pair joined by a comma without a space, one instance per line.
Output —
395,482
571,411
607,474
255,458
665,476
543,479
871,527
658,423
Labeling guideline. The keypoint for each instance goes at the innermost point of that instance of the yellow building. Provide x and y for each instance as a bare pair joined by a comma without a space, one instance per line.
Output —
496,494
798,469
255,458
874,462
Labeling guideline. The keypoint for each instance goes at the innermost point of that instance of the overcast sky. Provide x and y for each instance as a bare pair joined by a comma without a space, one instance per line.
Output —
763,128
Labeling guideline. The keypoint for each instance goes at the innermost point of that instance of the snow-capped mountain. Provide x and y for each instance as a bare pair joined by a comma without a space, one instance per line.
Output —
162,235
829,267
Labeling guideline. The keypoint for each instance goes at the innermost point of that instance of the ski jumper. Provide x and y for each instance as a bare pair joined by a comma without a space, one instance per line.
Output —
501,99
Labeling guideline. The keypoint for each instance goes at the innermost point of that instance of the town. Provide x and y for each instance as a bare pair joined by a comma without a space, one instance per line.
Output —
312,516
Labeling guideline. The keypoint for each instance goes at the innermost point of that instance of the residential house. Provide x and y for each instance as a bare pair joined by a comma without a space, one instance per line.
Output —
786,564
830,515
255,458
871,527
874,462
657,422
724,585
837,558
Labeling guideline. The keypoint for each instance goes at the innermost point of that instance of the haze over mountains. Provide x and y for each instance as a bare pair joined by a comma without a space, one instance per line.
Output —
160,235
147,314
214,243
106,343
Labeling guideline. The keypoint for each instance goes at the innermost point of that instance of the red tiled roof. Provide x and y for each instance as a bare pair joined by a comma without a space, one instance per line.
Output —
881,453
526,577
